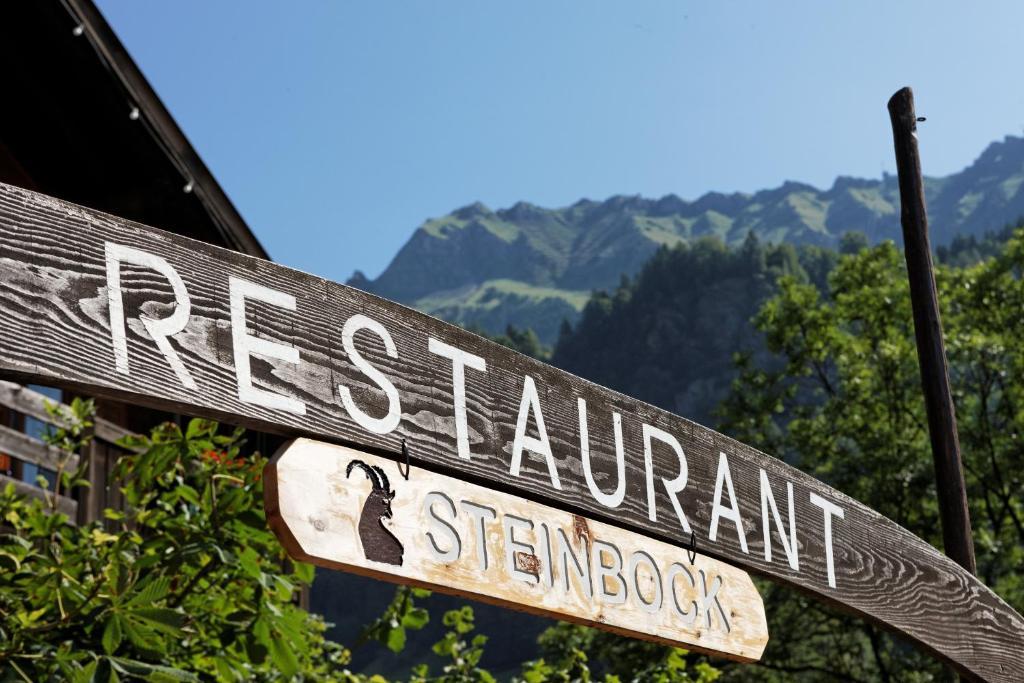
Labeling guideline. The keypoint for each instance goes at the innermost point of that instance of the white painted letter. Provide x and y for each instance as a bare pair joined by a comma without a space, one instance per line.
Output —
709,598
831,510
377,425
509,524
544,547
672,487
636,559
582,571
612,572
718,510
688,617
245,344
159,330
454,542
481,515
789,545
537,445
460,359
608,500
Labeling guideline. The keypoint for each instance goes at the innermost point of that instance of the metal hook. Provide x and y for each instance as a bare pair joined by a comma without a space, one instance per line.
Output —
691,548
405,454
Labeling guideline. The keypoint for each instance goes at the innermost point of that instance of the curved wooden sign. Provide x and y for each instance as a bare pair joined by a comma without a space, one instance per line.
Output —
345,509
115,309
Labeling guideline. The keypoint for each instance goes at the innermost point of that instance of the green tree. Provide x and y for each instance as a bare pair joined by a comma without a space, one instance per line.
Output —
184,583
524,340
576,653
462,652
841,400
667,335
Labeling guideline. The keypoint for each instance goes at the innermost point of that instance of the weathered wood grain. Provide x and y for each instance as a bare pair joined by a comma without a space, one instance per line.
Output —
333,513
24,447
54,304
65,505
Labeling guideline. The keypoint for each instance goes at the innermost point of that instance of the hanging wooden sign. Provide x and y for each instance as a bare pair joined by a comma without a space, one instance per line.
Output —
116,310
346,509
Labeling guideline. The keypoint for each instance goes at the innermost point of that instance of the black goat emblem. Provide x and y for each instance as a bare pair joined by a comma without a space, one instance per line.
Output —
379,544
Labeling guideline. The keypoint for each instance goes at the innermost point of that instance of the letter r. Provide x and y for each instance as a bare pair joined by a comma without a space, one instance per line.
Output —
158,329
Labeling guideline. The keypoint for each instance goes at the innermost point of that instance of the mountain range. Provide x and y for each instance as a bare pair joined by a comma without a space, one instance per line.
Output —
530,266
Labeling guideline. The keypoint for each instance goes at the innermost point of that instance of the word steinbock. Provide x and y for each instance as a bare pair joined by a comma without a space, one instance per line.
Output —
444,534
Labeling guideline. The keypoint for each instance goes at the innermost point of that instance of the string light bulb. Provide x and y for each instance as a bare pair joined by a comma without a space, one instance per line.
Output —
78,30
134,114
188,187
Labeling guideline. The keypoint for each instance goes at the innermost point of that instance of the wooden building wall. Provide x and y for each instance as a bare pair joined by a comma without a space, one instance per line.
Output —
80,122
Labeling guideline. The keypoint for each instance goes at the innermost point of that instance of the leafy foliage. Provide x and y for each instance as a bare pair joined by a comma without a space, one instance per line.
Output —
570,654
401,616
844,404
73,429
185,583
575,653
463,655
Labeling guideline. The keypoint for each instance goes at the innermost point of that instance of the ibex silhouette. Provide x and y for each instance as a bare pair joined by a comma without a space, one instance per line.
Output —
379,544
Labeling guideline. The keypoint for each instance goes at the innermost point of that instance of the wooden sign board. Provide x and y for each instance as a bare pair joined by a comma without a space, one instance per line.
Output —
346,509
117,310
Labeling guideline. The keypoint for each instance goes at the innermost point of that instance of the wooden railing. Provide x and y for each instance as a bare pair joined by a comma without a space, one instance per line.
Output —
32,403
29,449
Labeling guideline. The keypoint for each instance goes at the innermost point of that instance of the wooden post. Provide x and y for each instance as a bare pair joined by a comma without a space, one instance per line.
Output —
931,353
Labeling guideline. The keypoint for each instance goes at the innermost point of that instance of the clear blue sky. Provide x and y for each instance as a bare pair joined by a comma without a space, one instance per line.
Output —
338,127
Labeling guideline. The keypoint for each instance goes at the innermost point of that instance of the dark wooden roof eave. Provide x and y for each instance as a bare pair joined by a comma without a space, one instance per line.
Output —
229,223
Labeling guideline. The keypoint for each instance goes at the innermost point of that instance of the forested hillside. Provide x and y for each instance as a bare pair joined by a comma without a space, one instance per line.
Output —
678,323
531,266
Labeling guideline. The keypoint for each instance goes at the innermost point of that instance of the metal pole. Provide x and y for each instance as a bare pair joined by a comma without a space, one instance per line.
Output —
931,353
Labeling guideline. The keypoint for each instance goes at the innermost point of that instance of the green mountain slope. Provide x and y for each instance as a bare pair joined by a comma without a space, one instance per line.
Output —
687,312
530,267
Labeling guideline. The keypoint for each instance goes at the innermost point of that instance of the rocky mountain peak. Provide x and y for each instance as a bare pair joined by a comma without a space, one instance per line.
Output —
534,266
471,211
